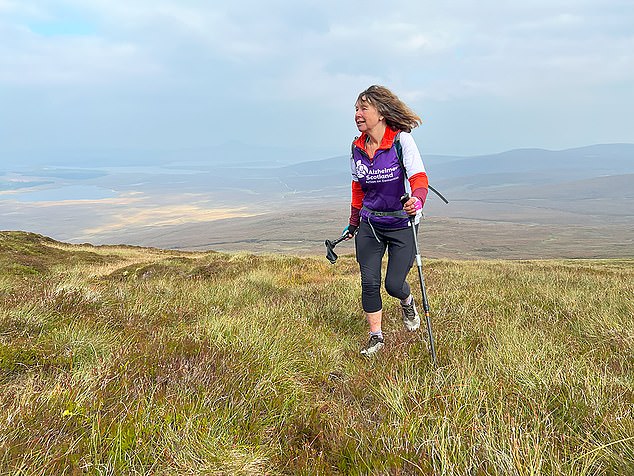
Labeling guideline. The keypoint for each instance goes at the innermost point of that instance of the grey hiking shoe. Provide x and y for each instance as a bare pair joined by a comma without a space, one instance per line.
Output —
374,345
411,319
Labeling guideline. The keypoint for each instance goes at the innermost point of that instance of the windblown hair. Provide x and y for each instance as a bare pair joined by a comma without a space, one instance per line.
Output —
396,113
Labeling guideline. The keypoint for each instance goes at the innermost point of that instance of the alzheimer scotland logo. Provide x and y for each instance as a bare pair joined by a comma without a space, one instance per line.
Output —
379,175
362,170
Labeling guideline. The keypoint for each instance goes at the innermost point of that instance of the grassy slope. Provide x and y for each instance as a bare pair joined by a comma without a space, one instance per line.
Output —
121,360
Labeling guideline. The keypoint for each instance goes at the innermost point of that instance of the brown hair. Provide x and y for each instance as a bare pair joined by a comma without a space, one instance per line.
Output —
396,113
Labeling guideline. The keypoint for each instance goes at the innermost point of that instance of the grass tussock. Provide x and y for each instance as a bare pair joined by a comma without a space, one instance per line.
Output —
122,360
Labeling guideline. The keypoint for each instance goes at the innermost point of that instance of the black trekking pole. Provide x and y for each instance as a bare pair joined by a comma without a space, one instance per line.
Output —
432,347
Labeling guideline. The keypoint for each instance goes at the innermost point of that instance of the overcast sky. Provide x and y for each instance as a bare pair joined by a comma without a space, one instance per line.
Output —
485,76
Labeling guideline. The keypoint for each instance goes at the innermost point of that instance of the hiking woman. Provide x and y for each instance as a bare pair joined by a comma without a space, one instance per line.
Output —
385,164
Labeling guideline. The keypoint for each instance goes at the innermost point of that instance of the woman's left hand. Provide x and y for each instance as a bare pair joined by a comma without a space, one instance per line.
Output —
412,206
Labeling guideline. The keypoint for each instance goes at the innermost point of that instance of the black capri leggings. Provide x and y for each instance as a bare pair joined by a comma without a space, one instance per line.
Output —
370,251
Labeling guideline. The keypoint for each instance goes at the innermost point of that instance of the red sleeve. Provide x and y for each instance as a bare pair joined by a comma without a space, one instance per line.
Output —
419,180
357,195
419,184
356,204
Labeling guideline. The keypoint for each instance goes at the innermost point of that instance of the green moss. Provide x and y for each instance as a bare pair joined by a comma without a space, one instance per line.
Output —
16,359
25,254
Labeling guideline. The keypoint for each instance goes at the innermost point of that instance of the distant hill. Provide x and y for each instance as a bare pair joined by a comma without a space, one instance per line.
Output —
507,169
590,161
569,203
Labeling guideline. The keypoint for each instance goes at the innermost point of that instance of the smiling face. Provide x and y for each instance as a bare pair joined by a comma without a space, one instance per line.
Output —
366,116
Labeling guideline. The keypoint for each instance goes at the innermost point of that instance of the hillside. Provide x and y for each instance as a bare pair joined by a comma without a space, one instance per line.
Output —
574,203
128,360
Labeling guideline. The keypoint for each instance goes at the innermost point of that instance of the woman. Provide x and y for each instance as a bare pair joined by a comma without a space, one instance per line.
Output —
378,219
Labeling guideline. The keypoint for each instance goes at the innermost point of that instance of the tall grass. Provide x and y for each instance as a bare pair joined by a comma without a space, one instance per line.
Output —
120,360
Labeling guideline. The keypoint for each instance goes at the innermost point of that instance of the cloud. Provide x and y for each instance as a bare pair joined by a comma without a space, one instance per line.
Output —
466,44
70,61
11,7
200,71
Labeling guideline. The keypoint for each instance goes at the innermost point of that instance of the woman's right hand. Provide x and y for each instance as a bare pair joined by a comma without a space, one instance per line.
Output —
412,206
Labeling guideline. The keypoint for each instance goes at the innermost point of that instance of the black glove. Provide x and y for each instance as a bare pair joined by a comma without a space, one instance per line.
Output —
350,230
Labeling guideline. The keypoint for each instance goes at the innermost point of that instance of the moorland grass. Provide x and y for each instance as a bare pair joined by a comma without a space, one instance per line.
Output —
123,360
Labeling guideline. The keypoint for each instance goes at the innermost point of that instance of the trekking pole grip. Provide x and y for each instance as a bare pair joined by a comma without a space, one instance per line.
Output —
404,200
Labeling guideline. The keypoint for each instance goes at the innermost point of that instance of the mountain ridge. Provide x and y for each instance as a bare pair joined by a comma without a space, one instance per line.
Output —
589,211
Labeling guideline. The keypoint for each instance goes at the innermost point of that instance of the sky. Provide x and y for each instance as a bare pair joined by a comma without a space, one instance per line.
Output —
139,75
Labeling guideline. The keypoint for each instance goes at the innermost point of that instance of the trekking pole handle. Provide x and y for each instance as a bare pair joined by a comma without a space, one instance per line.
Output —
404,200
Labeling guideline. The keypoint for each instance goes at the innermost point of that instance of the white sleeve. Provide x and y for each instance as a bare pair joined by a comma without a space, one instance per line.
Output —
353,169
411,156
